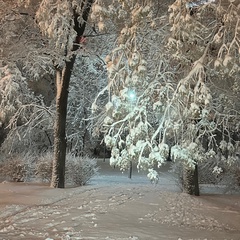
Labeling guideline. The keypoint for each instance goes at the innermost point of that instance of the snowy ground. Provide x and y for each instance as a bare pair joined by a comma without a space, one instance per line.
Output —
113,207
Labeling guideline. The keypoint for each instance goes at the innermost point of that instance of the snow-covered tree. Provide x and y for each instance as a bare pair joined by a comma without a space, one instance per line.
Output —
89,75
205,41
162,98
22,113
138,87
26,72
35,66
64,23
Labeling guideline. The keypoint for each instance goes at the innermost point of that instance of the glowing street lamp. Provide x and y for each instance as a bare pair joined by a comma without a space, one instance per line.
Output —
132,97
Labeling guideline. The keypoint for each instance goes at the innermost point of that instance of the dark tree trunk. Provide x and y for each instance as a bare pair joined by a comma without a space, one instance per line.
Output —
130,170
63,76
190,181
196,182
60,143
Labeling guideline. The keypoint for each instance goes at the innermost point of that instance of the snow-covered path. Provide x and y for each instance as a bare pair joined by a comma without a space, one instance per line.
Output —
115,207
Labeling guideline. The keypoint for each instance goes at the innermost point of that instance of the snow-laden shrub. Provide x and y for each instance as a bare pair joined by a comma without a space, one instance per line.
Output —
43,167
13,170
22,168
79,170
17,168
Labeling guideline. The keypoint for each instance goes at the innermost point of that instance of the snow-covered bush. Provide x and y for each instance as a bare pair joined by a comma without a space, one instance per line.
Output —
14,170
18,168
79,170
43,167
28,167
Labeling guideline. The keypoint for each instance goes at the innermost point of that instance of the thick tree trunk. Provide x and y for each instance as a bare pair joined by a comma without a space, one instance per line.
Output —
130,170
60,143
63,76
190,181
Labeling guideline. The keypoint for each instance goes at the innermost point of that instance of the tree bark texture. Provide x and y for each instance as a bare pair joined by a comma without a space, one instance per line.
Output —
63,76
190,181
60,141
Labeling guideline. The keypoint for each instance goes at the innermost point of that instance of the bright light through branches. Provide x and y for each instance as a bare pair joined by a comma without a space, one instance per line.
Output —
132,95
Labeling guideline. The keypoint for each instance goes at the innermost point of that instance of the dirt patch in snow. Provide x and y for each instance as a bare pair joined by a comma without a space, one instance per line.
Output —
115,207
